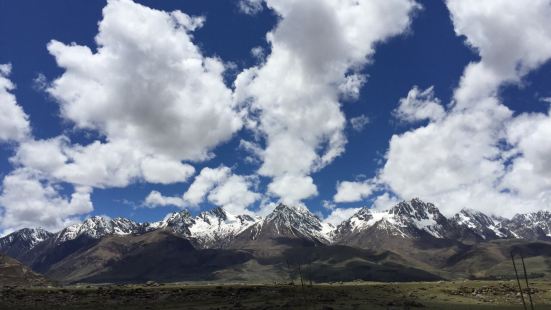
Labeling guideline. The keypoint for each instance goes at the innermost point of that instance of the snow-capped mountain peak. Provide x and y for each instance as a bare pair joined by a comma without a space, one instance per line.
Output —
217,227
295,221
405,219
97,227
178,222
535,225
480,223
27,236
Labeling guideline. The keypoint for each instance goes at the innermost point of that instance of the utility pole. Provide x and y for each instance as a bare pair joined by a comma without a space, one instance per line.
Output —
518,280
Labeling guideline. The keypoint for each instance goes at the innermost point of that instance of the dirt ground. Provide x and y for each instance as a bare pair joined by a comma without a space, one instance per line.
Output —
357,295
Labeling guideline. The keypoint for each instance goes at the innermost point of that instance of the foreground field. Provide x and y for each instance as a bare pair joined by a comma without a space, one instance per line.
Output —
426,295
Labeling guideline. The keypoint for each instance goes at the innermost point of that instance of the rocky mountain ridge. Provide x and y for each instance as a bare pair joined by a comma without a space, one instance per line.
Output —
412,240
217,228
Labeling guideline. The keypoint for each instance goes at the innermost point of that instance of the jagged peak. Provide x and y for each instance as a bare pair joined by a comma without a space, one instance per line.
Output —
34,235
476,215
415,207
290,212
364,213
219,213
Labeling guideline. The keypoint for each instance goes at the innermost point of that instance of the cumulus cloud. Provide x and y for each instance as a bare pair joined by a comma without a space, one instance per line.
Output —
219,186
316,50
350,88
511,37
156,199
348,191
250,7
147,84
339,215
165,171
146,89
28,200
293,188
420,105
328,205
359,122
478,154
530,171
14,123
102,165
205,182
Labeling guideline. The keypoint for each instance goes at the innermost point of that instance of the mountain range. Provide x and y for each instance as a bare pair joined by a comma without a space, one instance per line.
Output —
411,241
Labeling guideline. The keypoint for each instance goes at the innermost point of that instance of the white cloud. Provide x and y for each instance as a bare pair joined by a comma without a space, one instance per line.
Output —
258,53
165,171
205,182
350,88
30,201
156,199
250,7
146,89
234,194
459,160
328,205
511,37
353,191
292,188
217,185
530,173
103,165
340,214
420,105
359,122
14,123
316,50
384,201
147,84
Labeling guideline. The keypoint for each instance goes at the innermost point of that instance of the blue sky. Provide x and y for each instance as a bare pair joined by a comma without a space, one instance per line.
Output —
428,48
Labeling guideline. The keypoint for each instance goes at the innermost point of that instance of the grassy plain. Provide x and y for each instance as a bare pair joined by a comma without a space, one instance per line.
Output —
355,295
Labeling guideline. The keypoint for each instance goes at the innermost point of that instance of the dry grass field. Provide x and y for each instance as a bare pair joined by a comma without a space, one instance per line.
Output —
356,295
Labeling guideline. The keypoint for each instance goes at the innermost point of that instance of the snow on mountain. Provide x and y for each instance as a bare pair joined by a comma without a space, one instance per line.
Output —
177,222
25,239
291,222
406,219
483,225
535,225
97,227
419,215
216,228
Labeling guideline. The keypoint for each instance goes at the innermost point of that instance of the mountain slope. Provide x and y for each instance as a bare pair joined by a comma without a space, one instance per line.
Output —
531,226
217,228
285,225
20,242
407,220
13,273
158,255
210,229
481,224
97,226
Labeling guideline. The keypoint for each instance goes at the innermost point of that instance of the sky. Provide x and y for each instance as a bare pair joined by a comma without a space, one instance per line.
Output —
141,108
